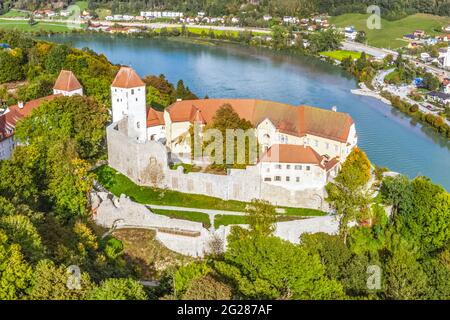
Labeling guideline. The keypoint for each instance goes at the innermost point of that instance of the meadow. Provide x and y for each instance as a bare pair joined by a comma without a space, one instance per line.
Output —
391,33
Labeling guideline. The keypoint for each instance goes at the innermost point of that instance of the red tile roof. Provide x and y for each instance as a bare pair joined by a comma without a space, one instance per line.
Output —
14,114
127,78
67,82
154,118
290,153
298,121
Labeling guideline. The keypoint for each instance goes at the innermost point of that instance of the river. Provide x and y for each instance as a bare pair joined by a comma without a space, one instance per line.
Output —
389,138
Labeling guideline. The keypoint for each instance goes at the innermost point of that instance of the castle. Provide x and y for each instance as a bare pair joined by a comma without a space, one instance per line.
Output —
304,146
66,85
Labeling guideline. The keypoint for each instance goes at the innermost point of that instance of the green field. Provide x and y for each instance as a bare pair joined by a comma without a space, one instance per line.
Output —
83,5
39,26
119,184
226,220
15,14
341,54
186,215
391,32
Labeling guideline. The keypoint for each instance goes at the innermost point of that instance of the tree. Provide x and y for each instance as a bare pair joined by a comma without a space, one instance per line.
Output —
405,278
15,272
261,217
209,287
430,82
327,40
56,58
118,289
271,268
348,195
427,219
186,274
10,66
397,191
227,121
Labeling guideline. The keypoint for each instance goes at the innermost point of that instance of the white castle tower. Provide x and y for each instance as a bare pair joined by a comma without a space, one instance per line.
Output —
129,100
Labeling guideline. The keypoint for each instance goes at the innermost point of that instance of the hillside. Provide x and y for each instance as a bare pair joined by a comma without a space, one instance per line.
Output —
391,32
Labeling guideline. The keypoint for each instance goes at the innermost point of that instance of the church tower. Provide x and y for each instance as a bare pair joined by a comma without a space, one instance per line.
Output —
129,100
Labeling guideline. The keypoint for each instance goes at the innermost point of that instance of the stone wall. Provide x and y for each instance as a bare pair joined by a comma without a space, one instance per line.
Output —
134,160
187,237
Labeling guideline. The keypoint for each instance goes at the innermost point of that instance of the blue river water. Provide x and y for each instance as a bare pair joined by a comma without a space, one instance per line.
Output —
389,138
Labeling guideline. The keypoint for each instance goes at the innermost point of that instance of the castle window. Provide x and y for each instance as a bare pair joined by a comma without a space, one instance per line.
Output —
138,125
288,179
268,179
277,178
278,166
308,168
132,91
288,166
297,179
298,167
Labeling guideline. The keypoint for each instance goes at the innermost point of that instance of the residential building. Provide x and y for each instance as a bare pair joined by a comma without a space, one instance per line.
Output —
65,85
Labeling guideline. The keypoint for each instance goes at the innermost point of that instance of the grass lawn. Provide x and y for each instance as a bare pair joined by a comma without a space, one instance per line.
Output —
186,215
14,14
39,26
222,220
226,220
119,184
391,32
341,54
83,5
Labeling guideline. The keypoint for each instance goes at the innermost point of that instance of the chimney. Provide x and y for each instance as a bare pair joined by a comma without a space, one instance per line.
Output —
20,104
334,108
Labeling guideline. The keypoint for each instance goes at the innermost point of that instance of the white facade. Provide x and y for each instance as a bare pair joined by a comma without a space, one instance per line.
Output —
6,148
69,93
293,176
131,102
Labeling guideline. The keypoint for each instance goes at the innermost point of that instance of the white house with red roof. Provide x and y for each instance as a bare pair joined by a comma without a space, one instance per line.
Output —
66,85
302,146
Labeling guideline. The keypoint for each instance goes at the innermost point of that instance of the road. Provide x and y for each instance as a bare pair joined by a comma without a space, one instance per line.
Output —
382,52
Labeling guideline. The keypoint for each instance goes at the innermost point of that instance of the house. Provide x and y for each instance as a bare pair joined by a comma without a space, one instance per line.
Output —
446,85
410,36
297,167
65,85
443,38
267,17
439,97
447,28
419,33
301,146
234,20
425,57
413,45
